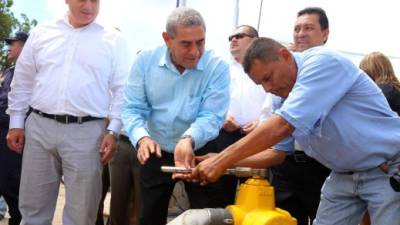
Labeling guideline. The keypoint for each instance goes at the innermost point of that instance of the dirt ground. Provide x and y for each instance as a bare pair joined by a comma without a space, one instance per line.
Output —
60,203
178,203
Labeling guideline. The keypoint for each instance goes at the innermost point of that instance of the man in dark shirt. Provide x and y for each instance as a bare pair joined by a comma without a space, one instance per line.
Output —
10,161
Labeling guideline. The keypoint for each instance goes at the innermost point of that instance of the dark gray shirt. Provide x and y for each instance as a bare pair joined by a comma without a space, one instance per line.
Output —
5,82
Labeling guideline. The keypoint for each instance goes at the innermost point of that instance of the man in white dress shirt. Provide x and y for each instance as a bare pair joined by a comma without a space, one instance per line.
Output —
70,73
248,101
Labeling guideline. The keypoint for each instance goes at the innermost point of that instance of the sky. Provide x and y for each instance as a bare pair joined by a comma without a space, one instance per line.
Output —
357,27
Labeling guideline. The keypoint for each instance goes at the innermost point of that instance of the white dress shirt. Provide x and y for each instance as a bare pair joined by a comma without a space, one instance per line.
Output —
73,71
249,102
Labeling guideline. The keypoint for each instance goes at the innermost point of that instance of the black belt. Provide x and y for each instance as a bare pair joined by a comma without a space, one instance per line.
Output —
299,157
66,119
384,167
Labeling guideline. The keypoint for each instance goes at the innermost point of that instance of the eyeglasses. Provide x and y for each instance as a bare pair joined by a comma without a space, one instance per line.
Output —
239,36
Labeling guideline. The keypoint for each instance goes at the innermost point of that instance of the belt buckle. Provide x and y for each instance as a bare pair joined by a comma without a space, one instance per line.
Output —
300,157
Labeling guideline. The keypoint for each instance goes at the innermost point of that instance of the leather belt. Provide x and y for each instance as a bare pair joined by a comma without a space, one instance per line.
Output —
66,119
299,157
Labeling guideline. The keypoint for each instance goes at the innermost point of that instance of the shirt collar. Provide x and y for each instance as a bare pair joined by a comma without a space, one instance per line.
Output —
65,21
165,60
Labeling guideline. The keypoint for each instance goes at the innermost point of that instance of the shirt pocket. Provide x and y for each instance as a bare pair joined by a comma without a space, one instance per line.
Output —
190,109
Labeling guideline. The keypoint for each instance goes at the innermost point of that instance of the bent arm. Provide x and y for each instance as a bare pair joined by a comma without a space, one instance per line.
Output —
267,158
263,137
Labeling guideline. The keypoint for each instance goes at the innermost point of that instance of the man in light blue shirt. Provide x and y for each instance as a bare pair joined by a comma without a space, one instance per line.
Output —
338,116
176,99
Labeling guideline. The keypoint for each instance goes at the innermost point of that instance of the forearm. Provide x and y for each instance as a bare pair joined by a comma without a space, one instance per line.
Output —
263,137
203,130
267,158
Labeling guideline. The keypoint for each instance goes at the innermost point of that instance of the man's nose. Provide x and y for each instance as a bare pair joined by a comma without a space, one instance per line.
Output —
194,50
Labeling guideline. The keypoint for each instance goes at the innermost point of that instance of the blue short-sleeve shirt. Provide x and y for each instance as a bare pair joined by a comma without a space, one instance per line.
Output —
341,117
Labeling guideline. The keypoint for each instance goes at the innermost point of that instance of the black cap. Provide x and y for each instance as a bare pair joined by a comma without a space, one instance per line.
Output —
19,36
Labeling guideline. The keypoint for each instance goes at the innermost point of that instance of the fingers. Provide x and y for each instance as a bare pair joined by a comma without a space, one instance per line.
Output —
199,175
16,139
106,155
107,148
158,151
249,127
200,158
190,161
184,156
230,125
143,154
148,146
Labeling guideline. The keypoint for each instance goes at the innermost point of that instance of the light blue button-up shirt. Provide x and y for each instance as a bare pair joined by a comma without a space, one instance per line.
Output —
341,117
164,104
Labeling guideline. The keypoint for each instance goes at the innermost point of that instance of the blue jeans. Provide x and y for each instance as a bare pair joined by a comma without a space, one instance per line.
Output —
345,198
3,206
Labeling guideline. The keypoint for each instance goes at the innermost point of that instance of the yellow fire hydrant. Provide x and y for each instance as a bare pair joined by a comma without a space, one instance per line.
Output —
255,205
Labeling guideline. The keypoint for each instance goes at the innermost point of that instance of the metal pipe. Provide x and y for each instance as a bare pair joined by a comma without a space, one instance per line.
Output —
237,171
206,216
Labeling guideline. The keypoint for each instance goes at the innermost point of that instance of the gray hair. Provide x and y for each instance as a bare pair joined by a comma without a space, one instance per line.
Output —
263,49
185,17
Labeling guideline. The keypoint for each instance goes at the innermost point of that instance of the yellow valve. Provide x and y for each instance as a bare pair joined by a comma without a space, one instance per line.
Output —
255,205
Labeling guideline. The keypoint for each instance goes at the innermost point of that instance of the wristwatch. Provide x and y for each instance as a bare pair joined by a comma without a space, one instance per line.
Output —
113,133
188,136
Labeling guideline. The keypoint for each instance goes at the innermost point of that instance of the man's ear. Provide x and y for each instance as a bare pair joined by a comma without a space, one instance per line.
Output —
325,34
284,53
167,38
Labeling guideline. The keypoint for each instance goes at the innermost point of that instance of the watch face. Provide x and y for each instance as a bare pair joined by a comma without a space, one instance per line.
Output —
188,136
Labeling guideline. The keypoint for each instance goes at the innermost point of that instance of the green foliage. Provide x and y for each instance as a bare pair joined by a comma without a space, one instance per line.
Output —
9,24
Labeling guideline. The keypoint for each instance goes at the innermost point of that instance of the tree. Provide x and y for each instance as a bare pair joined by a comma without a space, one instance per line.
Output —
8,25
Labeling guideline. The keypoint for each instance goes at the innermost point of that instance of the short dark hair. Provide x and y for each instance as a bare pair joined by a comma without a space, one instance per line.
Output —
323,18
263,49
252,31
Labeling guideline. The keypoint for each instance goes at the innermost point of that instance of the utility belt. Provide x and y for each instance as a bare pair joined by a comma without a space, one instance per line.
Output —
66,119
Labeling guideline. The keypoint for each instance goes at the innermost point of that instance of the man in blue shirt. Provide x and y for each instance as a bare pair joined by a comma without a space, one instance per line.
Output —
10,161
338,116
299,179
176,100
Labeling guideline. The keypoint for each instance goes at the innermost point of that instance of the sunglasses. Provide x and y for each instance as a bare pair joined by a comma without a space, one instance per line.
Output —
239,36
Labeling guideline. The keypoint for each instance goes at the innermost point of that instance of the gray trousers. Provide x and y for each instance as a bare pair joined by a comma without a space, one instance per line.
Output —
52,150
